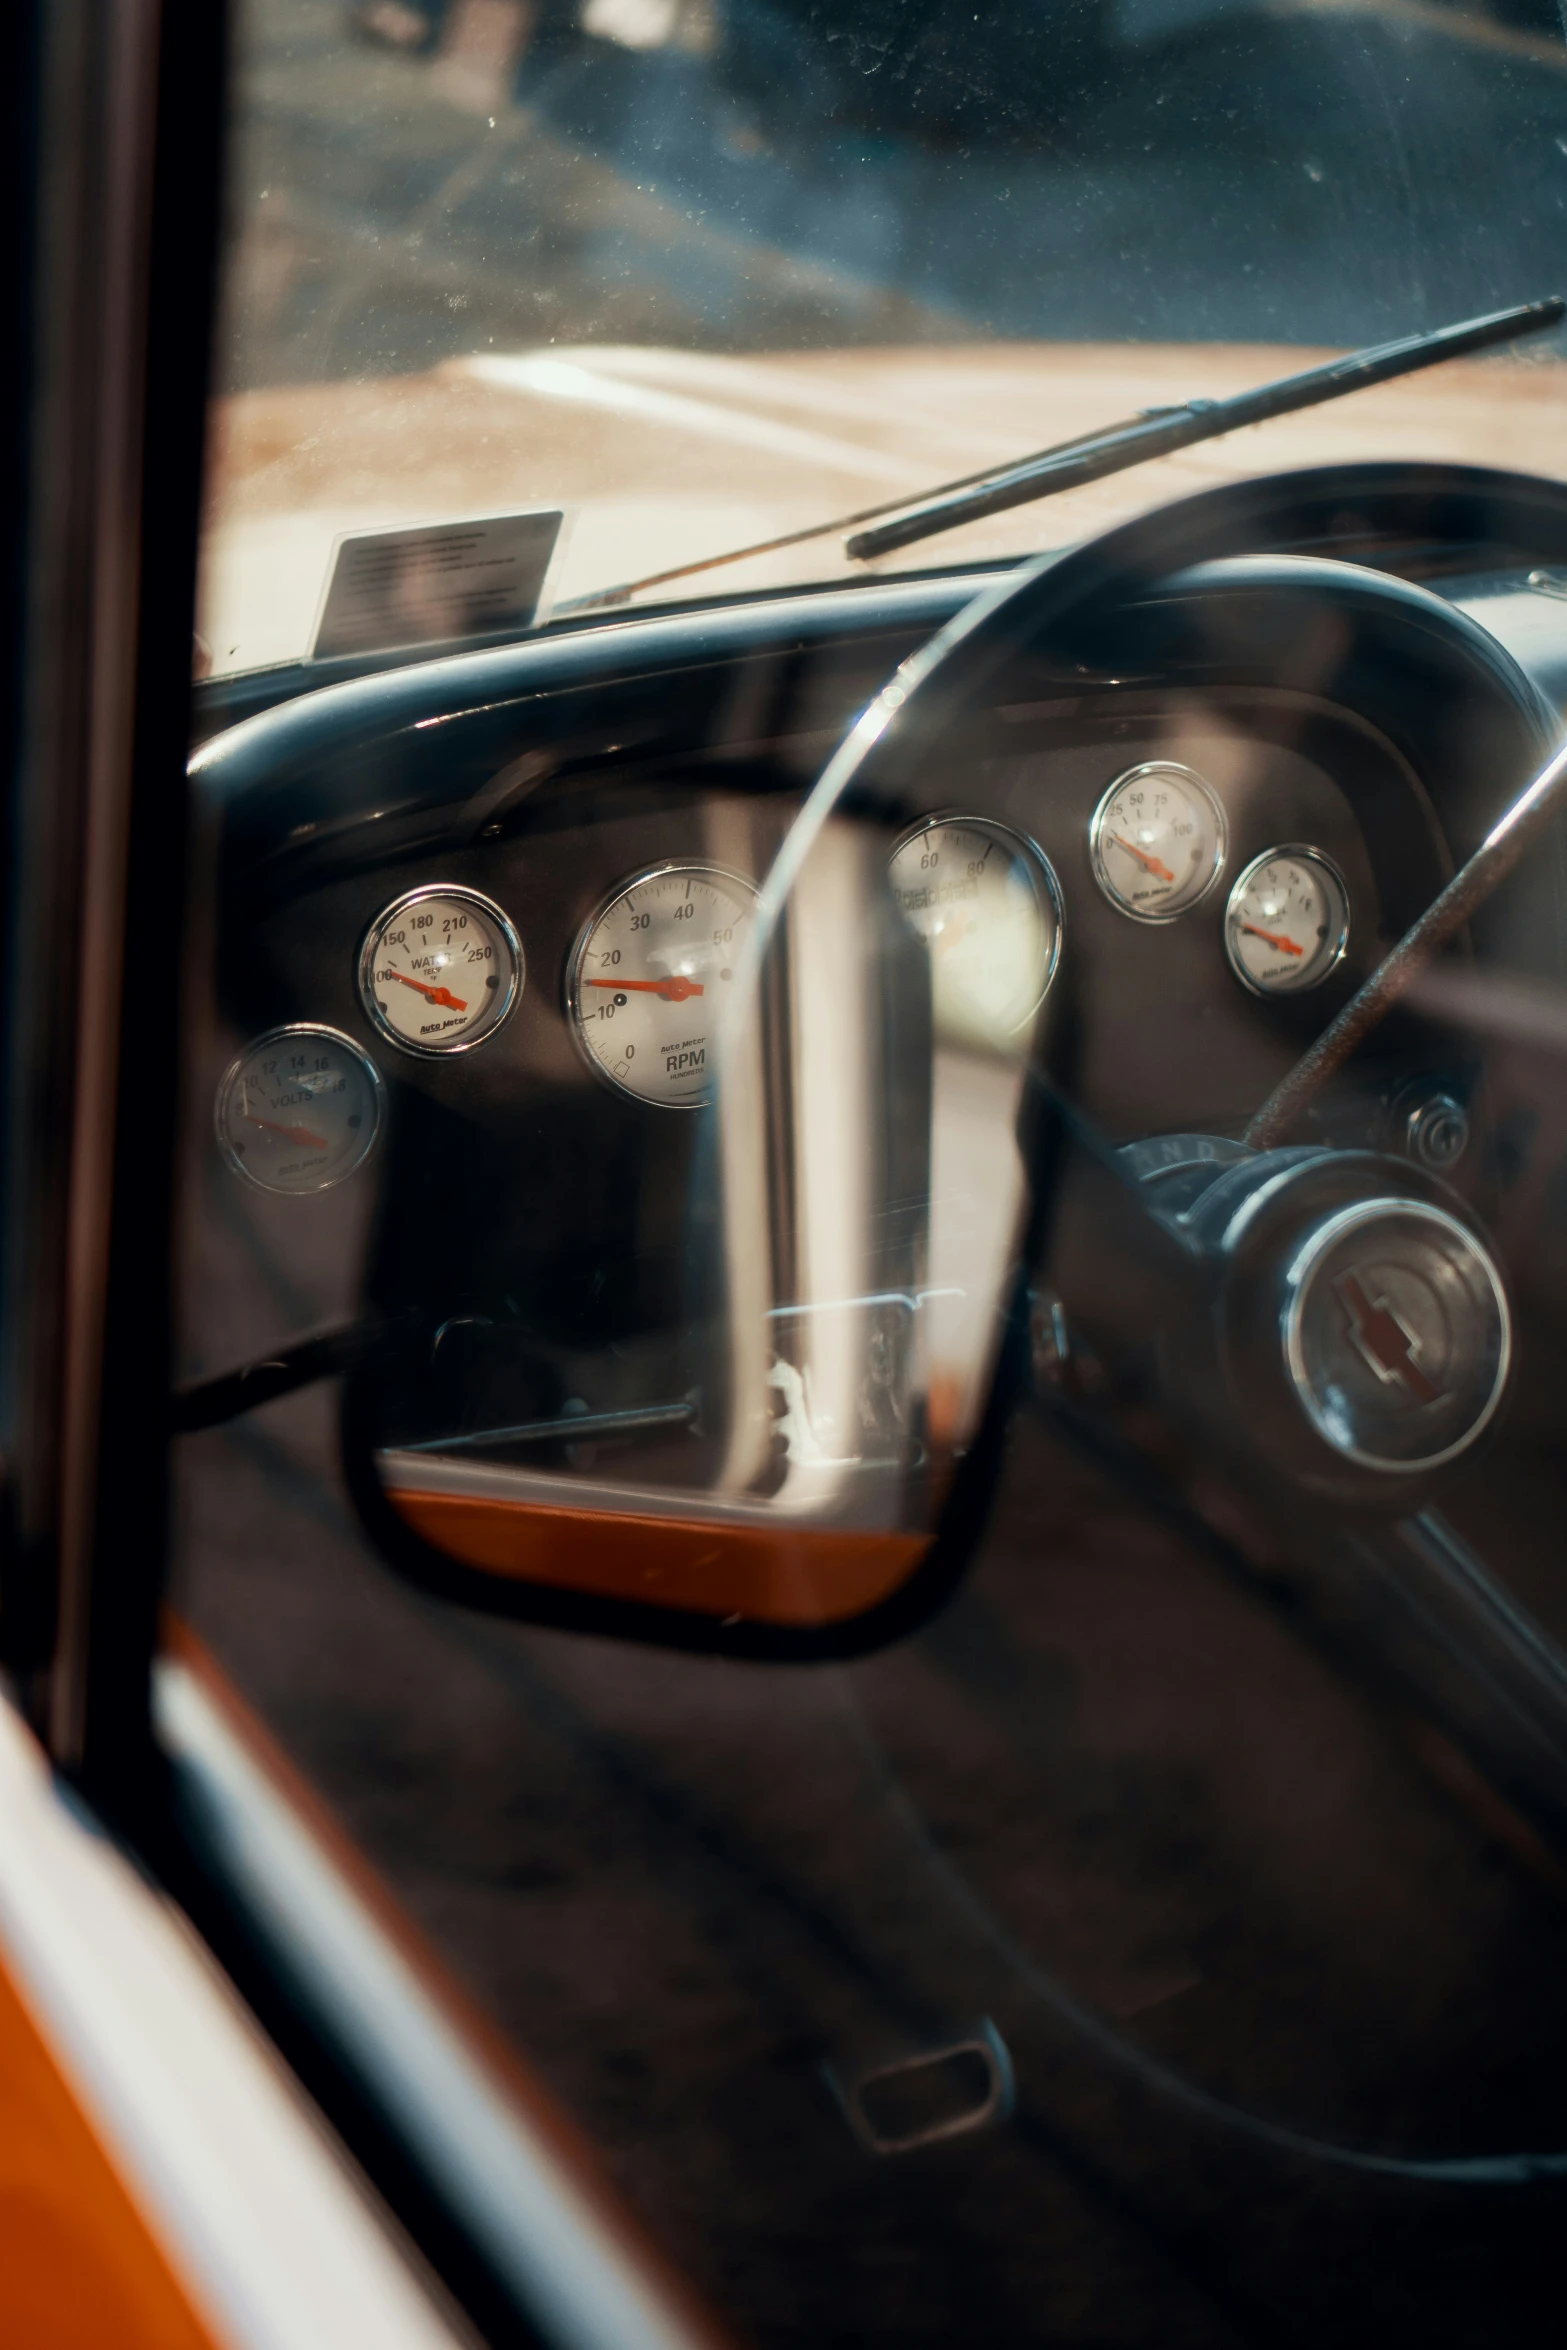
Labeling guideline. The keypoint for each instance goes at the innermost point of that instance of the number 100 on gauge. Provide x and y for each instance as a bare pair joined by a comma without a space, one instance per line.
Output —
649,978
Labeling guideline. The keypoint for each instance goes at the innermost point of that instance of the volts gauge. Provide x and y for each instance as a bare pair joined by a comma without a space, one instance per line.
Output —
440,969
987,904
1158,841
1287,922
299,1110
648,979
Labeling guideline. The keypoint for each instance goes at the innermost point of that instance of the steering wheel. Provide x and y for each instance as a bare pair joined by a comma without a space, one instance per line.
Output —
1326,1327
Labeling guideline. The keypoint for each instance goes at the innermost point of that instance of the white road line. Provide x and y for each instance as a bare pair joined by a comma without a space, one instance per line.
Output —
805,388
564,379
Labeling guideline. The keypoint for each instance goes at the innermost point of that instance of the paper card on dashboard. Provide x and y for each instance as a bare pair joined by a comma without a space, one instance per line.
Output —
390,590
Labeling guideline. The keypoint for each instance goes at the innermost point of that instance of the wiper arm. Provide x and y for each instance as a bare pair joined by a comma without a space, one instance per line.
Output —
1113,448
1161,432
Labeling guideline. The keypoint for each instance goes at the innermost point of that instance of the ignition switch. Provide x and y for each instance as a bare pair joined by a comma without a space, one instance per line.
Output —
1434,1130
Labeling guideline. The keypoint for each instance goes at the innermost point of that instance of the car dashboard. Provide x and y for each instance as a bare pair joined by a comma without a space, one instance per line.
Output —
589,807
1194,1839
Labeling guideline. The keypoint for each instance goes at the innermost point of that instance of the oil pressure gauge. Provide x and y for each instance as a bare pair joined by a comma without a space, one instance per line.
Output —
440,969
1287,923
299,1110
1157,841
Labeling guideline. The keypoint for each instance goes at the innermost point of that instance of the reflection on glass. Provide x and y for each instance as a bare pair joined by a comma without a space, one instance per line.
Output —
988,908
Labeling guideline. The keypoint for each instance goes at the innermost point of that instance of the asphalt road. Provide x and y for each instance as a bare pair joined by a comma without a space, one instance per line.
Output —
1321,173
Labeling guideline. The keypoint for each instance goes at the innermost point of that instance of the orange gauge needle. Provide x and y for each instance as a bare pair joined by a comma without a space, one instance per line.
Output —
1161,872
435,995
1273,938
298,1134
673,991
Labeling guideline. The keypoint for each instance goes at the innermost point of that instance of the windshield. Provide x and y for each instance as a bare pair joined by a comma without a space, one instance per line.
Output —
872,1301
697,274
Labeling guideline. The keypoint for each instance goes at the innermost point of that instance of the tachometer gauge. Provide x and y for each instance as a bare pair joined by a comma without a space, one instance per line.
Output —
299,1109
648,980
988,906
1287,922
440,969
1157,841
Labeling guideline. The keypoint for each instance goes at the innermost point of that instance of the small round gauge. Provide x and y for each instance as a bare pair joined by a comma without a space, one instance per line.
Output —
299,1110
1287,923
988,906
1157,841
648,978
440,969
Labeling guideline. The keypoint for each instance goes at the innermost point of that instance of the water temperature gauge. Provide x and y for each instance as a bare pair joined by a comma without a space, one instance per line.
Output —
440,969
299,1110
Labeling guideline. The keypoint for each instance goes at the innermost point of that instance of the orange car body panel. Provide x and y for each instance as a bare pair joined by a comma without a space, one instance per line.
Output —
79,2268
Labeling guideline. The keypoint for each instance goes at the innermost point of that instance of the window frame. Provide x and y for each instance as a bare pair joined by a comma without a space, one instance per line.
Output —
112,175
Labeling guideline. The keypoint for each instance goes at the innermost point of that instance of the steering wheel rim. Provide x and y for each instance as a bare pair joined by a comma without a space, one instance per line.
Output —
880,763
1056,601
1128,561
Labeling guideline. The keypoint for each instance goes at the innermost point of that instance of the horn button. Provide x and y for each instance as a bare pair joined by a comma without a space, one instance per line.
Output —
1363,1325
1396,1334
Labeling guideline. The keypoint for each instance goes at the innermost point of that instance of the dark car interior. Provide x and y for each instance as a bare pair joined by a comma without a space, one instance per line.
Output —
1131,1911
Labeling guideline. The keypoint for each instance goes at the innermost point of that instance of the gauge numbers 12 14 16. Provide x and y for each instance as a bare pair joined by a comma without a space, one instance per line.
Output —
299,1110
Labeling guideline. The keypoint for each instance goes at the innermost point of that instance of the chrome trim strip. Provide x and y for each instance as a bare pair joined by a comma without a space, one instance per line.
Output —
814,1503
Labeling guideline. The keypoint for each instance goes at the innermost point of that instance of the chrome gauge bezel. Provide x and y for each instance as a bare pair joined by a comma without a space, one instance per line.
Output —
1221,840
494,914
289,1033
1033,857
699,865
1303,854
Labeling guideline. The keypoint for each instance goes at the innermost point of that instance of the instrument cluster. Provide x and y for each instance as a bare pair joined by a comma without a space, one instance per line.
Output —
441,968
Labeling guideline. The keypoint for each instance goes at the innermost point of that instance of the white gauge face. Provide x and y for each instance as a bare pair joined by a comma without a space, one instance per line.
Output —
1157,841
1287,922
649,979
299,1110
440,970
986,903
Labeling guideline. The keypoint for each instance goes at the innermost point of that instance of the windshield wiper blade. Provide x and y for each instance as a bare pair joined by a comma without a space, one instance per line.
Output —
1110,448
1159,434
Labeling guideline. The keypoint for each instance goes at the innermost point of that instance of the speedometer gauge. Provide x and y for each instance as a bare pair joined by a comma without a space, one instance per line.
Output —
1157,841
440,969
987,905
1287,922
299,1110
649,977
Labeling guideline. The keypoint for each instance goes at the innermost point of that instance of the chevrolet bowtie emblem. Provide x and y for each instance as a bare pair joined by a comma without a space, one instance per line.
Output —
1385,1341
